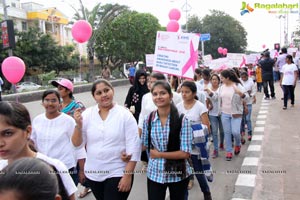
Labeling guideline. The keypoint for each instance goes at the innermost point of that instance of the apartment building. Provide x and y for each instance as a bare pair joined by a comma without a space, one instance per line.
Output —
49,20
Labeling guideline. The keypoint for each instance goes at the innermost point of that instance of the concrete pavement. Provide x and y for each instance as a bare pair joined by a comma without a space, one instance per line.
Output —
273,157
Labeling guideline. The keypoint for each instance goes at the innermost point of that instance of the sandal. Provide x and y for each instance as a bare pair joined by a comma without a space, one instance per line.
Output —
85,192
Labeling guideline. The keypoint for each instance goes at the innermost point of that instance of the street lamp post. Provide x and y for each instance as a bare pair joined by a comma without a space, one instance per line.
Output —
186,8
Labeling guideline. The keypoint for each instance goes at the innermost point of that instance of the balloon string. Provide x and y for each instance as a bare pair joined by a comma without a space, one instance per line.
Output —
80,62
15,90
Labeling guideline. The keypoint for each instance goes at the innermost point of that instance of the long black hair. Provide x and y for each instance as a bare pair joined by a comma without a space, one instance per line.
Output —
290,58
174,134
229,73
192,86
30,178
15,114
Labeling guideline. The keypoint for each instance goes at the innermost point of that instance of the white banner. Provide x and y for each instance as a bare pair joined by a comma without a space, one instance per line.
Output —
176,53
274,53
215,64
252,58
207,59
236,60
149,60
290,51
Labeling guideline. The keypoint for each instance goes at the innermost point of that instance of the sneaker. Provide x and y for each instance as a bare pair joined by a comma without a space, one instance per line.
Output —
267,98
215,154
249,137
284,108
237,150
221,147
228,156
273,97
190,185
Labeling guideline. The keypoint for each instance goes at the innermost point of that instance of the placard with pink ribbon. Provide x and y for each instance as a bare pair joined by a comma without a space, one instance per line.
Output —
176,53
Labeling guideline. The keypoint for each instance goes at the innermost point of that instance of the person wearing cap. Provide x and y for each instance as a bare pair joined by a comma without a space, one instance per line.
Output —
266,64
69,104
52,131
65,88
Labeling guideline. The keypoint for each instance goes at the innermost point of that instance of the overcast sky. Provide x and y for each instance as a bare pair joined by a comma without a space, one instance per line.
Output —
262,27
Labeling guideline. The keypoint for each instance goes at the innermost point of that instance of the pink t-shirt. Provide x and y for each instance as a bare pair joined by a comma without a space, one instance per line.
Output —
226,95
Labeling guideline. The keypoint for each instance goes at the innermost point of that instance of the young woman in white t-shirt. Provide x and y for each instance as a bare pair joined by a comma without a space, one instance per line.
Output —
108,131
196,112
288,80
15,131
52,132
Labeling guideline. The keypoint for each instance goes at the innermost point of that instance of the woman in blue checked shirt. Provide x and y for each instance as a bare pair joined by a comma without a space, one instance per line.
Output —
170,144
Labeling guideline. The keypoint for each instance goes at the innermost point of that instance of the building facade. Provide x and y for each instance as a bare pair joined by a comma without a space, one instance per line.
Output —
49,20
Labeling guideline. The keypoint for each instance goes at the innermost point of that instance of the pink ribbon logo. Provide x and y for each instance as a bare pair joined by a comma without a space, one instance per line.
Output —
192,61
243,62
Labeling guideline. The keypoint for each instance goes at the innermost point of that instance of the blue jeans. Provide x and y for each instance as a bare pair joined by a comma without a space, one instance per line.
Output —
231,126
247,120
216,125
199,173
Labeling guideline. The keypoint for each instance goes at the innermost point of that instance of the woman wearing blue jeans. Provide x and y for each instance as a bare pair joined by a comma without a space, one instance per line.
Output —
214,115
196,113
232,94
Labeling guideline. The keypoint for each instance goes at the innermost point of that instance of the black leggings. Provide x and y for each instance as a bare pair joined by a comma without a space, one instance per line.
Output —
108,189
288,91
157,191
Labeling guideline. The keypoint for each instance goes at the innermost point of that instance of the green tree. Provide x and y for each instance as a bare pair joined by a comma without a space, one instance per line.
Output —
99,18
128,38
225,32
40,51
194,24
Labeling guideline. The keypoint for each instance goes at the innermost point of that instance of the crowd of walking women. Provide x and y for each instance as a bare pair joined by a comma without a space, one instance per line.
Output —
166,125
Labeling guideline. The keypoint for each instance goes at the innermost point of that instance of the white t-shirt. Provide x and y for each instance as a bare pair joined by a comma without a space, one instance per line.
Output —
61,169
105,141
288,74
148,106
193,114
249,85
52,137
215,111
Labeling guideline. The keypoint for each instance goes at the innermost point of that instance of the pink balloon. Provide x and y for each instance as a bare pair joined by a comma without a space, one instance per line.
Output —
224,51
173,26
13,68
220,50
263,46
82,31
174,14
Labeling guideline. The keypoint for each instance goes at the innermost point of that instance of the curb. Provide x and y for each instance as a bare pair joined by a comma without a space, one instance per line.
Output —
245,183
37,95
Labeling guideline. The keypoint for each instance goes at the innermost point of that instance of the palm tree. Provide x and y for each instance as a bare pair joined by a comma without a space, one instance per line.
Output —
99,17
